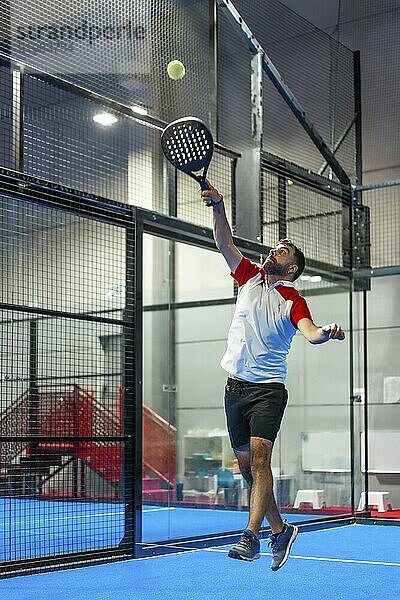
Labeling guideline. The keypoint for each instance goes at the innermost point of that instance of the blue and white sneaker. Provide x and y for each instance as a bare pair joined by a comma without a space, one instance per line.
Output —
280,545
247,548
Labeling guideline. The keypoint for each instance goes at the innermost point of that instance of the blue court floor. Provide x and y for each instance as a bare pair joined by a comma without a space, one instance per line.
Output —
33,528
351,562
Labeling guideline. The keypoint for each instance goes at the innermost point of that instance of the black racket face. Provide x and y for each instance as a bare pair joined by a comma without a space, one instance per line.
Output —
188,145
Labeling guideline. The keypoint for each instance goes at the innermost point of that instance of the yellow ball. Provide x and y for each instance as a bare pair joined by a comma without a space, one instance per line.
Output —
175,69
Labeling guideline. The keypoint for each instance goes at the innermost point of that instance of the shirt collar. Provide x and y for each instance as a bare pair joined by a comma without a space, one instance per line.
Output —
283,282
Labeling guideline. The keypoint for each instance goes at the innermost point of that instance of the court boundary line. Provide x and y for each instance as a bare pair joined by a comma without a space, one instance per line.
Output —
110,514
175,544
320,558
182,550
181,547
185,551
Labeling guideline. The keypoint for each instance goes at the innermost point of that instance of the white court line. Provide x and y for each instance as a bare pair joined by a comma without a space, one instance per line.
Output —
158,509
230,535
180,551
45,519
222,551
341,560
111,514
347,560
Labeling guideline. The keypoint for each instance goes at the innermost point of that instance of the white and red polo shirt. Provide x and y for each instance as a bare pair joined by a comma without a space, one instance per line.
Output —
263,326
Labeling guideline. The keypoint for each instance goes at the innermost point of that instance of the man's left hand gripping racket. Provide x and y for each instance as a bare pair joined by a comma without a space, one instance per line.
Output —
188,145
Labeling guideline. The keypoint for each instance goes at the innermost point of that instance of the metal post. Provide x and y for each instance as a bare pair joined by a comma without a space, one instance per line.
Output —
131,394
361,212
282,207
348,262
357,117
171,189
135,247
248,171
213,68
171,395
357,193
171,177
257,100
18,118
365,372
233,195
33,393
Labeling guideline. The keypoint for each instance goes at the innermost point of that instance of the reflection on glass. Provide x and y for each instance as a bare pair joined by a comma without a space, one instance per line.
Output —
190,472
189,469
383,398
312,456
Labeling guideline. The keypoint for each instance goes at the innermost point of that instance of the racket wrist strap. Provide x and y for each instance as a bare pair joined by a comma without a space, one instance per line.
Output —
219,201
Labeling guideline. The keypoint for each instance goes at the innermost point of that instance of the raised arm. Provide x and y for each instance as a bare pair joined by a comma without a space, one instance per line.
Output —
222,230
318,335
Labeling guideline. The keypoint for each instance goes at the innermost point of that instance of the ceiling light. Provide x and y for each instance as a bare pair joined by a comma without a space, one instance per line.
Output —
105,119
139,109
305,277
315,278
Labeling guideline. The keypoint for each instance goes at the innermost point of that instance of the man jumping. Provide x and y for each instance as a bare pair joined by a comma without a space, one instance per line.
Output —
269,310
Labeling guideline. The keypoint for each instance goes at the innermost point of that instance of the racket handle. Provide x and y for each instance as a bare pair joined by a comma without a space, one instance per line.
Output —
204,186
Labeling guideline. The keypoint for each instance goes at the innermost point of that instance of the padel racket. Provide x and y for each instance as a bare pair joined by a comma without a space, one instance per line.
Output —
188,145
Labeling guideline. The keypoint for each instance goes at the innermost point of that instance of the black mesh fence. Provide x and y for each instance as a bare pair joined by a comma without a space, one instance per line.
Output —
115,50
63,144
189,205
121,55
234,88
6,116
309,211
66,303
59,141
371,26
317,69
384,204
66,360
119,49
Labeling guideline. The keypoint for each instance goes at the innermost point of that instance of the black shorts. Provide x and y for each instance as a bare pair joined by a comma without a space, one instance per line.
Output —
253,409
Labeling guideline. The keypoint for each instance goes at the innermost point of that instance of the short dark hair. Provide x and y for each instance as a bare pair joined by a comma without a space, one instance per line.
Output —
298,257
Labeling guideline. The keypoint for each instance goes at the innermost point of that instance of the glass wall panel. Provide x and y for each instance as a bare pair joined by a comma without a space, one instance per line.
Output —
311,460
189,470
358,364
159,432
188,305
384,397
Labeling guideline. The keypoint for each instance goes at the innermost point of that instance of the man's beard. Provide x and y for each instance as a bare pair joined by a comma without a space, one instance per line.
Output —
274,268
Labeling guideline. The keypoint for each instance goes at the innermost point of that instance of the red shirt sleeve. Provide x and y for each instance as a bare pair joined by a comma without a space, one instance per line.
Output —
245,271
299,310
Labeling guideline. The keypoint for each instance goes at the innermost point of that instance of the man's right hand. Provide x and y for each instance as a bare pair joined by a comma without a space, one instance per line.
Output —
211,195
